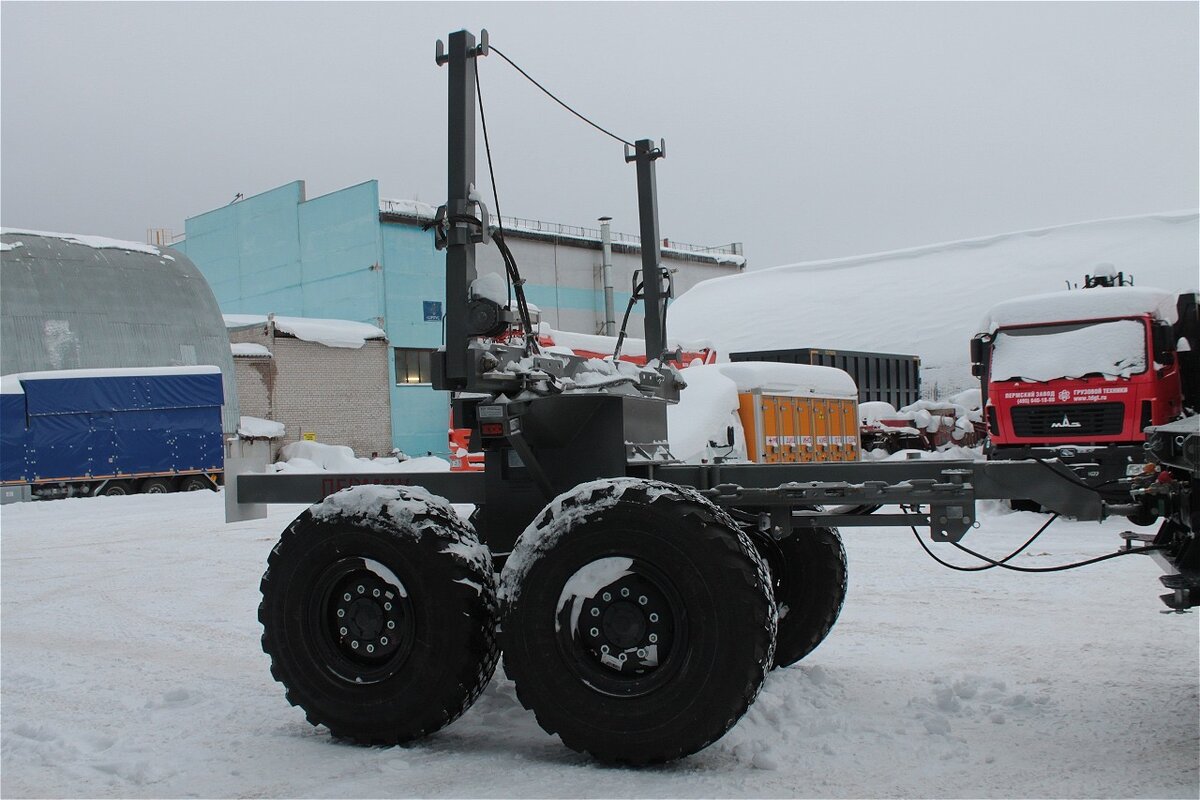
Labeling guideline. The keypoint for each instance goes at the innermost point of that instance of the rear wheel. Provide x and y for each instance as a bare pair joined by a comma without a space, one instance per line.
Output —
809,576
157,486
379,614
638,621
117,489
194,483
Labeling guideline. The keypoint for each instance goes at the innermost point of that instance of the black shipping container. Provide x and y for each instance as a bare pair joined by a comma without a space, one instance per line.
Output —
889,377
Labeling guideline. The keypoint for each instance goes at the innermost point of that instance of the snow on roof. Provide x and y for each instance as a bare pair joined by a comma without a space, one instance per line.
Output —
928,300
789,379
249,350
11,384
1083,304
258,428
329,332
98,242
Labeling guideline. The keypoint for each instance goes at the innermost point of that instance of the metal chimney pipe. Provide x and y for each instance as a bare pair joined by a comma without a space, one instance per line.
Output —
610,317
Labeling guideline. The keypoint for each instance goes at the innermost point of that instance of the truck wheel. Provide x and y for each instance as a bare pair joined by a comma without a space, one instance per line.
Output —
638,621
809,573
379,614
157,486
194,483
117,489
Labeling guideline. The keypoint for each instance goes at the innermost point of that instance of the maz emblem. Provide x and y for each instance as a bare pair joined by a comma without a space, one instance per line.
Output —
1066,423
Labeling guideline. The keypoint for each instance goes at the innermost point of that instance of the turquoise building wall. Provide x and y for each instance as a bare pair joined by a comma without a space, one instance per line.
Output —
330,257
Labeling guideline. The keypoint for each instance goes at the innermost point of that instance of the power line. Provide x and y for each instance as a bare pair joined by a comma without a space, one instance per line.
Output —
553,97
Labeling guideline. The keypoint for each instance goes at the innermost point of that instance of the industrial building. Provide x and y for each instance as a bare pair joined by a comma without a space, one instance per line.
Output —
350,255
324,381
83,302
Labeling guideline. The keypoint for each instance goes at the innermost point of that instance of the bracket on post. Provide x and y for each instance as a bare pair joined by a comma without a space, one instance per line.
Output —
440,56
653,152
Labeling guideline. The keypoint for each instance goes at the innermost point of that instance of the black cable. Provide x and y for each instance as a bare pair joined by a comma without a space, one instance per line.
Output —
625,321
1001,562
550,94
512,273
487,146
1061,567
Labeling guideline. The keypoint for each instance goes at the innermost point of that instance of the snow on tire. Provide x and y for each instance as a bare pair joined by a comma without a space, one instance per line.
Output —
638,620
379,613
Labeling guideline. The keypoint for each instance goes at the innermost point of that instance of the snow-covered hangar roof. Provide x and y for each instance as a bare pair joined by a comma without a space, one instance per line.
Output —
82,302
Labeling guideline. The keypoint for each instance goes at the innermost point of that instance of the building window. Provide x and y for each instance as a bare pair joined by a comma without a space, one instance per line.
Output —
412,366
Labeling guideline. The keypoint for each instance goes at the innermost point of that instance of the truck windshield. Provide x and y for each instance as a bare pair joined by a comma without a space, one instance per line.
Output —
1049,352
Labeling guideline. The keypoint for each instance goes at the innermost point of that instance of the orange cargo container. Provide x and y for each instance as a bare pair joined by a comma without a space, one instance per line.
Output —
794,429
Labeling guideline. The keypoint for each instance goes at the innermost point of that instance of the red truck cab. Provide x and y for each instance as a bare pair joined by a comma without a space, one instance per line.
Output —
1078,375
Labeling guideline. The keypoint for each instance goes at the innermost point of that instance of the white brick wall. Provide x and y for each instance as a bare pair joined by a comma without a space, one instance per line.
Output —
341,395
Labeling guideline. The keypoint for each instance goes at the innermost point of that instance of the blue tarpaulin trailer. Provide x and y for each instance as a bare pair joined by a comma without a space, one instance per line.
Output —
111,431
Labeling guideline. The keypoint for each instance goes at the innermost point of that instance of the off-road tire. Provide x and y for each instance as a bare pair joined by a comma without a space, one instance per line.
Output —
445,610
810,589
691,561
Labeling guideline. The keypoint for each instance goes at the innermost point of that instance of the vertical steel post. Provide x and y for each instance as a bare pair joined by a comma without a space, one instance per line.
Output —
644,155
610,313
460,249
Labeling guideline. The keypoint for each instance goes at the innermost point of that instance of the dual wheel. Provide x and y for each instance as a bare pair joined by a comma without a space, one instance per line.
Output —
639,622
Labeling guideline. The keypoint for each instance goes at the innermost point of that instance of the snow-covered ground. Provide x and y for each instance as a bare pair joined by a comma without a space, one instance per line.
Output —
131,668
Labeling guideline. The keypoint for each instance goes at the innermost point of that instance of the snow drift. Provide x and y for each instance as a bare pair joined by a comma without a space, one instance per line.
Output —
929,300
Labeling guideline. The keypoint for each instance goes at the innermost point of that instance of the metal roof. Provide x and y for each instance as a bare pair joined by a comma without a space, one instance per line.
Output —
81,302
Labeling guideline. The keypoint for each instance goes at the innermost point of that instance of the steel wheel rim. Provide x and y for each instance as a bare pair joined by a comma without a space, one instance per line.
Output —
361,620
621,625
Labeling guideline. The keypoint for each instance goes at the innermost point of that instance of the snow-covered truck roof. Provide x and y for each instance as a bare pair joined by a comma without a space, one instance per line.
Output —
1082,304
11,384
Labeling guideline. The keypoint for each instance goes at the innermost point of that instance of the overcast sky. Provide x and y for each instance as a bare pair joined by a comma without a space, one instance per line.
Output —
804,130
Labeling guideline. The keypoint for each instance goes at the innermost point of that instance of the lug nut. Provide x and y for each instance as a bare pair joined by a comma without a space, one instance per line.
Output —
387,606
642,600
375,592
354,645
653,617
653,638
361,589
343,631
341,612
346,597
595,612
383,640
595,632
625,592
607,597
391,624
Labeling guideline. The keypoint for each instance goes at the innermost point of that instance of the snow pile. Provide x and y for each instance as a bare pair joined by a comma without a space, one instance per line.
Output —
5,246
704,413
491,286
595,343
790,379
1083,304
97,242
320,457
928,300
249,350
329,332
258,428
870,413
11,384
1112,349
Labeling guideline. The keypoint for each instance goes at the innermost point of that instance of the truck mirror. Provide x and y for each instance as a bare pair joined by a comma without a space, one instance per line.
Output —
979,345
1163,339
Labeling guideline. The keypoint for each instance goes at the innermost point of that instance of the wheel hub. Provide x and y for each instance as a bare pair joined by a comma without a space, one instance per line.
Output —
368,615
628,626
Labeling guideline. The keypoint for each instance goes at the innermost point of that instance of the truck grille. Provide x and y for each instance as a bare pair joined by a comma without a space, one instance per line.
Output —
1087,419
